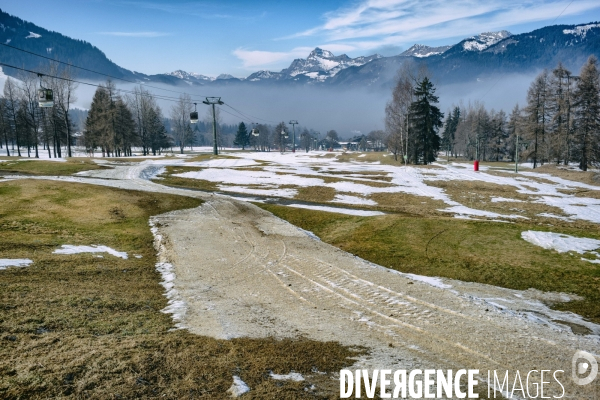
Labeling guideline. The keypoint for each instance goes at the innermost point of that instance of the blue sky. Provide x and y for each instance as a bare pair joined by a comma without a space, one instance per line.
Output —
240,37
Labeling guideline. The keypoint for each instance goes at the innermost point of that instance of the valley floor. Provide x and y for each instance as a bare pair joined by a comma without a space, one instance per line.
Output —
236,270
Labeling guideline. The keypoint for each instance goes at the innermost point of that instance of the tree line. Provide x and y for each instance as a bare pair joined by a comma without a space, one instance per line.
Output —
264,137
25,127
560,123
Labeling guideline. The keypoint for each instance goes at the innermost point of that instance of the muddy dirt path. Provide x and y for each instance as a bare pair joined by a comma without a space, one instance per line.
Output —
243,272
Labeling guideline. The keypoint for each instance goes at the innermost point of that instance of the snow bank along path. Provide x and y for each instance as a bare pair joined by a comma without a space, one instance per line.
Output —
239,271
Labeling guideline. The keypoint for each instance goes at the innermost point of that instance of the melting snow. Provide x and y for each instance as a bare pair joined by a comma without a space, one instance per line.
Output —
33,36
347,211
72,249
292,376
499,199
175,305
437,282
560,242
343,198
238,388
14,262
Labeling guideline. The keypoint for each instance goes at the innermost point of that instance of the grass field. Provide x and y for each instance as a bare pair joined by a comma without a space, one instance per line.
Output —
471,251
78,326
53,168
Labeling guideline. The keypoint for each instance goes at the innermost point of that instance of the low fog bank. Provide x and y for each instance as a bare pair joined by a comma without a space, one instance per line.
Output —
323,107
501,92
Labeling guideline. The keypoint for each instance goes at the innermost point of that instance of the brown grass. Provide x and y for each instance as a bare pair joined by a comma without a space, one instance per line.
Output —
78,326
43,167
168,179
408,204
316,194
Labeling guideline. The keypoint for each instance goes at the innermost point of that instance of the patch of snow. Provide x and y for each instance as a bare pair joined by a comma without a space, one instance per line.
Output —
14,262
223,163
485,40
309,234
580,30
549,215
433,281
292,376
592,261
560,242
499,199
73,249
8,41
343,198
175,305
238,388
271,192
347,211
465,211
33,36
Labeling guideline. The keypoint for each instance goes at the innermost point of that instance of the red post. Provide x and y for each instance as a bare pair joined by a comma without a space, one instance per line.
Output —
476,165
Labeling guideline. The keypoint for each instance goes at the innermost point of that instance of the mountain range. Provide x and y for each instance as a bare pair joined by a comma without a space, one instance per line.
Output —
473,58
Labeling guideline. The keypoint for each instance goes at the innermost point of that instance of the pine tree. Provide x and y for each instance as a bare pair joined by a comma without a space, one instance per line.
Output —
426,119
96,123
587,115
241,137
537,117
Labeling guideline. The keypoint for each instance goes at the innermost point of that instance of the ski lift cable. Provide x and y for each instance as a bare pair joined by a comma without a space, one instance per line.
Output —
237,116
239,113
95,72
167,98
125,80
250,116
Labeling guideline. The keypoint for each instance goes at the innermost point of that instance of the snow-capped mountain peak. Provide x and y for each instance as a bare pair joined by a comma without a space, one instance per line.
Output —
484,40
320,53
421,51
189,75
322,64
225,76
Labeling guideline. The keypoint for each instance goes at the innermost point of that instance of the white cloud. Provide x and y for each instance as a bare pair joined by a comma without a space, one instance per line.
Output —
401,18
136,34
257,58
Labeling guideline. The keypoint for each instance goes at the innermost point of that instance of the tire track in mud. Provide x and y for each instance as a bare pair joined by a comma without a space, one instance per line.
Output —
383,310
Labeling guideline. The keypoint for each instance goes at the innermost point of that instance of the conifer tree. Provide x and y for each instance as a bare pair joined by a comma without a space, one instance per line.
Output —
426,119
241,136
587,115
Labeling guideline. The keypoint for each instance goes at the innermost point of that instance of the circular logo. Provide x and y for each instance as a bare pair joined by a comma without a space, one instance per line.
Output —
584,363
